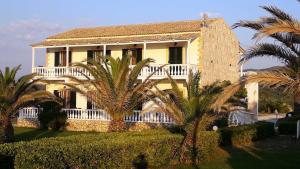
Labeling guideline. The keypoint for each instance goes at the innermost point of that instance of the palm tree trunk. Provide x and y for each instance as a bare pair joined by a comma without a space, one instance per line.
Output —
117,125
8,130
188,152
297,104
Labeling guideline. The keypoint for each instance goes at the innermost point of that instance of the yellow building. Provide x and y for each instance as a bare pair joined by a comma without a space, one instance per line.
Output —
208,45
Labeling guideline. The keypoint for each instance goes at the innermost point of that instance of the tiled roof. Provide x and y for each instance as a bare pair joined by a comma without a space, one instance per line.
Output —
179,30
117,40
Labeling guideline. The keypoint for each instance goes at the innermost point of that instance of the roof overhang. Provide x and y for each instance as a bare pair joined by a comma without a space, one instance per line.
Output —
116,41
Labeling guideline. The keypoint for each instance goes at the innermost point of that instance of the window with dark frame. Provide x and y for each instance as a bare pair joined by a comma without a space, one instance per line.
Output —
93,54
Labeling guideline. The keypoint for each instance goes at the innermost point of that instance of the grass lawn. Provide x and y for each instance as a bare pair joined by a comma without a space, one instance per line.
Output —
277,153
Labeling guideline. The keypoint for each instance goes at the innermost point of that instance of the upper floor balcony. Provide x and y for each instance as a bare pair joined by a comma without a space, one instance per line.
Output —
177,71
175,57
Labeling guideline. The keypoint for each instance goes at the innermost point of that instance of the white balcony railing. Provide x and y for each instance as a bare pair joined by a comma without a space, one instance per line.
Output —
87,114
98,114
177,71
29,113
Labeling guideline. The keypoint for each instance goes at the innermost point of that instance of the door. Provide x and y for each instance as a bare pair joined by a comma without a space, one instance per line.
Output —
135,54
60,58
63,58
72,99
175,57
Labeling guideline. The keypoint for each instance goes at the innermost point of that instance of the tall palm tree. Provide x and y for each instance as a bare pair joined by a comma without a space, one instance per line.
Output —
188,112
113,86
285,48
278,22
16,94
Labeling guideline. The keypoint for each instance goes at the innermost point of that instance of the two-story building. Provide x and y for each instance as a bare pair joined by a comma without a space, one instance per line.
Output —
207,45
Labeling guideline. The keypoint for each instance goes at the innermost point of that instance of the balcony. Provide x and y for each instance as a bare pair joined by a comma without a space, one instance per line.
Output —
177,71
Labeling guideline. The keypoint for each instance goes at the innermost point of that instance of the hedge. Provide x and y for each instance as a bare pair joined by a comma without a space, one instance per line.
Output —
288,125
104,150
246,134
113,150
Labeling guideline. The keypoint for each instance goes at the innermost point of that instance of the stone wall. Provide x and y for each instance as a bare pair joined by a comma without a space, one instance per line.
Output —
92,125
30,123
219,53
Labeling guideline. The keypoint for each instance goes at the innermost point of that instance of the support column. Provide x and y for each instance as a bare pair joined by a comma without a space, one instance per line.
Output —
188,52
33,59
145,50
104,50
67,60
242,70
67,55
253,96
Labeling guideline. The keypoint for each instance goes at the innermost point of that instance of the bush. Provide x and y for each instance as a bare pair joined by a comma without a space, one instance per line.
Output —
104,150
288,125
52,117
246,134
207,143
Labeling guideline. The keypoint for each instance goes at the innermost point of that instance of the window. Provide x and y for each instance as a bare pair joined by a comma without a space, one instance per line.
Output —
94,54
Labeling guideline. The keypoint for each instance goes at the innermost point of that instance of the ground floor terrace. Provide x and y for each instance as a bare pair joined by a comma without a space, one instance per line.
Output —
96,119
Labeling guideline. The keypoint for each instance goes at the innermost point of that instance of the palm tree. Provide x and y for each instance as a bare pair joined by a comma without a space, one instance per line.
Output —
188,112
17,94
278,22
113,86
285,48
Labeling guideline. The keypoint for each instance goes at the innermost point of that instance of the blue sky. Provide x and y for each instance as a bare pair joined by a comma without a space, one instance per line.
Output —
25,22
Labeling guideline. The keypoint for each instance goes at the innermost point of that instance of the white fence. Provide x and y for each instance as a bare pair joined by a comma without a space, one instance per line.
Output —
149,117
98,114
177,71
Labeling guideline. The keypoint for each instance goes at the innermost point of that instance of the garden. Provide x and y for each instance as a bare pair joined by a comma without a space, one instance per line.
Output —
242,147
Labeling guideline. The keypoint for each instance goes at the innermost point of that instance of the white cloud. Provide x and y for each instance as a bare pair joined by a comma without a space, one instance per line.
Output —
15,38
29,30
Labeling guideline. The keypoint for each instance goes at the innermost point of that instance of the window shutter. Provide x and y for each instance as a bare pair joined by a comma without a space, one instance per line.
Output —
72,99
139,54
70,57
108,52
56,58
90,55
171,55
179,55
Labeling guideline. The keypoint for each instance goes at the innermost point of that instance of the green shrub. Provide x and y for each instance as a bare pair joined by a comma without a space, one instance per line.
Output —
207,143
112,150
52,117
246,134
